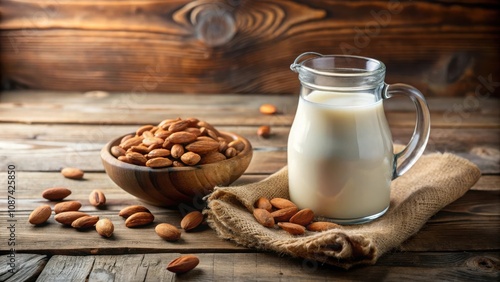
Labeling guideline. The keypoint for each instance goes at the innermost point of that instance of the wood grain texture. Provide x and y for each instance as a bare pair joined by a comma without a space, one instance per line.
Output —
26,267
441,47
481,266
471,221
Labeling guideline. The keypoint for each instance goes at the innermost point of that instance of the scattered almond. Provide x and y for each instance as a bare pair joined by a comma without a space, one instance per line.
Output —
292,228
302,217
105,227
85,222
97,198
67,206
168,232
268,109
263,217
284,214
191,220
130,210
40,215
139,219
56,193
72,173
263,203
281,203
183,264
264,131
319,226
68,217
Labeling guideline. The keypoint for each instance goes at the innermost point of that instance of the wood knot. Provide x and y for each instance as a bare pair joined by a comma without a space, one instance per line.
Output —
214,25
485,264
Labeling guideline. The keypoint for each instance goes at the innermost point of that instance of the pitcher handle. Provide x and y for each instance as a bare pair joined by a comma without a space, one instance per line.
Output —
296,64
405,159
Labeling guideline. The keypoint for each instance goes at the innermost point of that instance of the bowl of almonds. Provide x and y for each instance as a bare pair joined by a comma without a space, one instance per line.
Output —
176,161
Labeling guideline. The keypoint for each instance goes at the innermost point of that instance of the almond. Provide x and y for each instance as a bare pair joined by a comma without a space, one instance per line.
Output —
284,214
67,206
134,141
117,151
263,217
212,157
105,227
190,158
40,215
72,173
177,164
292,228
152,140
156,153
159,162
183,264
147,134
303,217
141,149
85,222
125,159
181,137
177,151
137,158
263,203
139,219
268,109
237,144
163,134
230,152
130,210
68,217
208,126
319,226
56,193
281,203
178,125
203,147
126,137
264,131
191,220
168,232
194,130
164,124
97,198
143,129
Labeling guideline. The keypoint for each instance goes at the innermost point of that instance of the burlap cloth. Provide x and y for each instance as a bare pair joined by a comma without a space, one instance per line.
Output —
433,182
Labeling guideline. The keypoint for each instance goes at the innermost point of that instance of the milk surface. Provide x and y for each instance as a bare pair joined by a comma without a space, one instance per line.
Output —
340,157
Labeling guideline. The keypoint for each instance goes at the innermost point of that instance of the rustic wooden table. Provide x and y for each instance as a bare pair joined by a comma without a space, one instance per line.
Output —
42,132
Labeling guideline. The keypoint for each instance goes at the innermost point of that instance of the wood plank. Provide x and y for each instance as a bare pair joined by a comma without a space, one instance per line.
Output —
119,110
440,50
21,267
479,266
472,222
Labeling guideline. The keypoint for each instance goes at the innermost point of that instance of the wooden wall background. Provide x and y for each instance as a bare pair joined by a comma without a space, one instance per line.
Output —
442,47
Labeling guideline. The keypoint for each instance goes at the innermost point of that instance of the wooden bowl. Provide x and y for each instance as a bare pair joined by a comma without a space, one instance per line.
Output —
171,186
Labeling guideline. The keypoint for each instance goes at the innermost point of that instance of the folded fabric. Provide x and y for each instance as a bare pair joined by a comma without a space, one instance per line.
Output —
435,181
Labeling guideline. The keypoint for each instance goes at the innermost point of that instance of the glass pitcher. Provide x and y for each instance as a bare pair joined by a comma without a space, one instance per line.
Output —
340,151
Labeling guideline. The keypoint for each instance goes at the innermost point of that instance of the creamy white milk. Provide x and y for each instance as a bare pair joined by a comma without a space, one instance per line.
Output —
340,160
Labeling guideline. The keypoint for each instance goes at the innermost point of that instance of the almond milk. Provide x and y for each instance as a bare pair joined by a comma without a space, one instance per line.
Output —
340,158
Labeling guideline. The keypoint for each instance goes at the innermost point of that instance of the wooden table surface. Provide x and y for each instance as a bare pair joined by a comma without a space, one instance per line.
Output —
42,132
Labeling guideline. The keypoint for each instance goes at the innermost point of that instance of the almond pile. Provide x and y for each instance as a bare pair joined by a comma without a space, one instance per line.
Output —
288,217
176,142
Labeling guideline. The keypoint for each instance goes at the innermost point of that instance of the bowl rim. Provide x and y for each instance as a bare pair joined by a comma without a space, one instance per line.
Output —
112,160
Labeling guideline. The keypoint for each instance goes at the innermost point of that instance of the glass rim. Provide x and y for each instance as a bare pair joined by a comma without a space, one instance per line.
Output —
362,72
